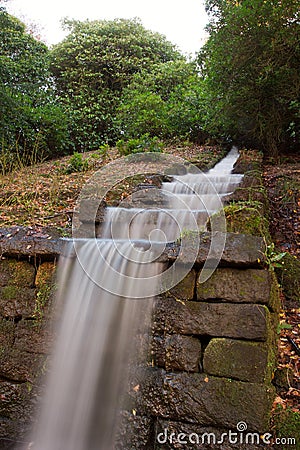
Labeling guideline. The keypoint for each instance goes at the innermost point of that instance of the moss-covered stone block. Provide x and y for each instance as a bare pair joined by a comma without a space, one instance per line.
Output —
45,283
18,273
17,295
246,218
240,286
186,288
244,361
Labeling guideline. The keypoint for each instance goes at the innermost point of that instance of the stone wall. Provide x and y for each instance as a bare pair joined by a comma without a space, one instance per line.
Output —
213,356
26,294
212,346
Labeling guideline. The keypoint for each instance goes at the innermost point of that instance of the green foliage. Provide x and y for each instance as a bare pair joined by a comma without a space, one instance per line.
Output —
93,65
251,69
274,258
143,144
76,164
29,112
165,102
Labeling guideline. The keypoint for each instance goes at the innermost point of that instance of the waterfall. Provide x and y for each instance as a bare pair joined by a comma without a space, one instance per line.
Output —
107,286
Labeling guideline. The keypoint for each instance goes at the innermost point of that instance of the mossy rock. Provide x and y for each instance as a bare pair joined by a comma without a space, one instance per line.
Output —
248,160
288,275
246,218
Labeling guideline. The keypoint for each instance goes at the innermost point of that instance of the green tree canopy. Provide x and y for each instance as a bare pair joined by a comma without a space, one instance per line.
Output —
28,113
251,69
93,65
164,102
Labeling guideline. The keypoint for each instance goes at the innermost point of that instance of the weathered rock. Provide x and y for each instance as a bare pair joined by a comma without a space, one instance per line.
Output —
16,409
238,286
248,161
239,321
17,273
20,366
245,361
33,337
203,399
185,290
135,432
187,436
7,334
45,283
240,250
91,210
251,189
176,352
17,294
147,196
19,241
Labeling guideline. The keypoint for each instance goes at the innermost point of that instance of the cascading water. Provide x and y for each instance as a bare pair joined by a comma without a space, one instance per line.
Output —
106,288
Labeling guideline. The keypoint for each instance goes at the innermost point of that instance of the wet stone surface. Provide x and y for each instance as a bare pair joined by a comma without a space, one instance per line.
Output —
211,319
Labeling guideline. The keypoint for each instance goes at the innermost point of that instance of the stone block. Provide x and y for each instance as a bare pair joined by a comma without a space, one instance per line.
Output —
241,360
176,352
17,294
186,288
135,432
32,337
16,241
7,334
237,286
16,409
18,273
240,250
239,321
204,399
45,283
19,366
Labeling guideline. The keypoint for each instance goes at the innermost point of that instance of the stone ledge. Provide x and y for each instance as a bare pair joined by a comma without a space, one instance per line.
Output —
240,250
24,242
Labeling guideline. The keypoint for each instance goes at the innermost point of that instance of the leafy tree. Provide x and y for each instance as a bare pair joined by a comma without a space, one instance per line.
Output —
251,69
28,111
165,102
93,65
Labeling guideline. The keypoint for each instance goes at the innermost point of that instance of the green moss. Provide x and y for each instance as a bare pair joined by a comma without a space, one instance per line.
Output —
45,284
287,425
22,272
9,292
246,218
